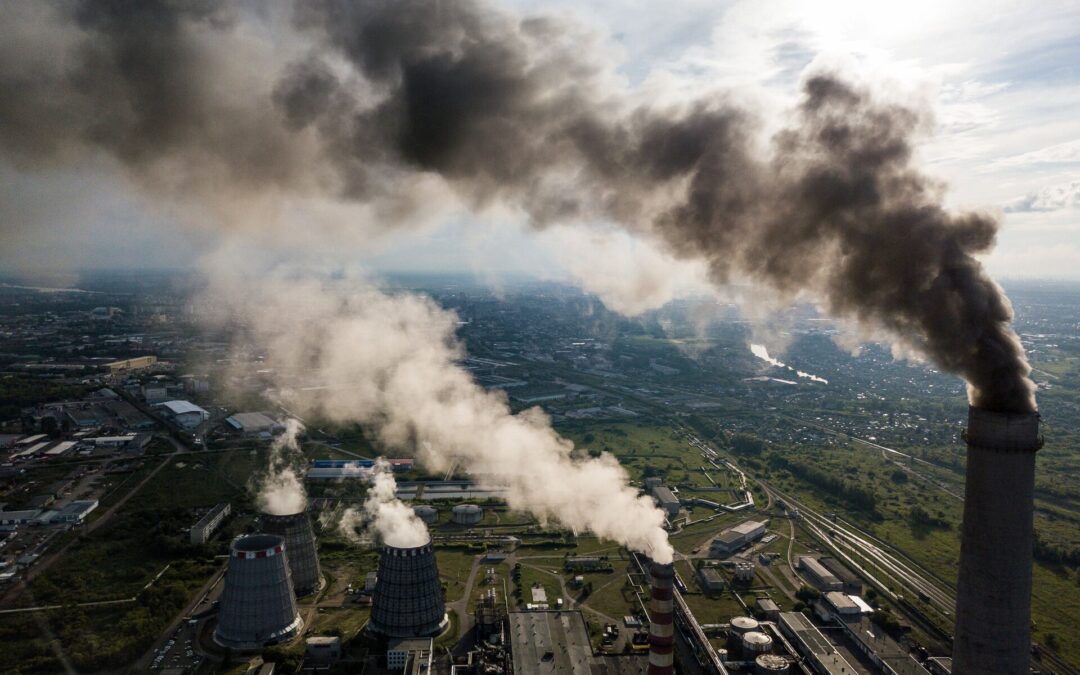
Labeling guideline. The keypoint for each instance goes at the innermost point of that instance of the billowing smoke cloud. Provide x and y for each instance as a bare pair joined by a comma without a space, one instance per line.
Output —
279,490
394,106
350,352
394,521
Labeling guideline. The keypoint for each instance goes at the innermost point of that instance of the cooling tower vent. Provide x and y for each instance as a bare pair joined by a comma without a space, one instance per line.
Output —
257,604
408,600
302,550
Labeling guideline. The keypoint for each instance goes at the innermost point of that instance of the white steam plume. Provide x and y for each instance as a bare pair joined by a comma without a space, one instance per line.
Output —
762,353
280,491
394,521
353,353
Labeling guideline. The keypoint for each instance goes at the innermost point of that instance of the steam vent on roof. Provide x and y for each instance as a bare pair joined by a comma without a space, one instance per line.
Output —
408,599
300,543
993,592
257,604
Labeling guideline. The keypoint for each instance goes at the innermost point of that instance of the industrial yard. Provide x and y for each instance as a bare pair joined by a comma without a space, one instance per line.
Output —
810,534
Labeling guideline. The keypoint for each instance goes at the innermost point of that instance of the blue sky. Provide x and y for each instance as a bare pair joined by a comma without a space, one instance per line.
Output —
1003,79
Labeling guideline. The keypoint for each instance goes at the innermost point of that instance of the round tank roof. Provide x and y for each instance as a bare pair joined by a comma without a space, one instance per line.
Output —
744,623
467,508
754,638
771,663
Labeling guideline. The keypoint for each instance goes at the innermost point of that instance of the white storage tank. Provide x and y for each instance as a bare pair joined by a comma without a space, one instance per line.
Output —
754,643
428,514
741,625
468,514
771,664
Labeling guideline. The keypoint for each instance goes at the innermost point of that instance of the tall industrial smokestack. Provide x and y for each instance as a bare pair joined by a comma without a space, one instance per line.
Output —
661,626
993,599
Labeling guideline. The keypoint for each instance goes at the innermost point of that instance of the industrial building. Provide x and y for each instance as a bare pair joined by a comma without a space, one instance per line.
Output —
258,607
820,577
201,531
129,365
254,424
72,513
411,656
320,653
184,414
768,608
711,580
666,500
408,599
734,538
852,584
302,551
340,469
819,653
890,657
557,643
10,520
836,606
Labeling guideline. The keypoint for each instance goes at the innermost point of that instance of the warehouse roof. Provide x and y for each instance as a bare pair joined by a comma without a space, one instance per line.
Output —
557,643
664,495
181,407
252,422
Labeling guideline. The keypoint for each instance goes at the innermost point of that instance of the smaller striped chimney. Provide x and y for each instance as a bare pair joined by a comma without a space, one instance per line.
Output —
661,625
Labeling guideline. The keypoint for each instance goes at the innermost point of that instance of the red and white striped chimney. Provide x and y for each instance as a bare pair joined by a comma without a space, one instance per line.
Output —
661,626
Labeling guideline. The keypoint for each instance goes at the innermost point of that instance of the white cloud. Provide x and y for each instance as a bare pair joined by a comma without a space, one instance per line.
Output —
1050,198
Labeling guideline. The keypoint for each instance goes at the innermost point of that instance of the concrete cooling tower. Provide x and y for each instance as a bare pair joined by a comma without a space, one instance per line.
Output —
661,617
408,599
993,592
302,552
257,604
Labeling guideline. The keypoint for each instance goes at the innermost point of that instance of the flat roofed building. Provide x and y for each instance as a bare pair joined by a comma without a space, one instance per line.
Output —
812,645
889,656
75,512
734,538
853,585
711,579
202,530
409,655
666,500
818,575
557,643
60,448
128,365
768,608
185,413
13,520
254,424
321,652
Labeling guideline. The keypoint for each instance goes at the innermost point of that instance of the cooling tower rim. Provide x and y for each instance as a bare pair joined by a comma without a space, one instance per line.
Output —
283,516
406,551
258,543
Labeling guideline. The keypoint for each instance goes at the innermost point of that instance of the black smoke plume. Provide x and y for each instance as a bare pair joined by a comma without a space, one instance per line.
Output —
520,112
